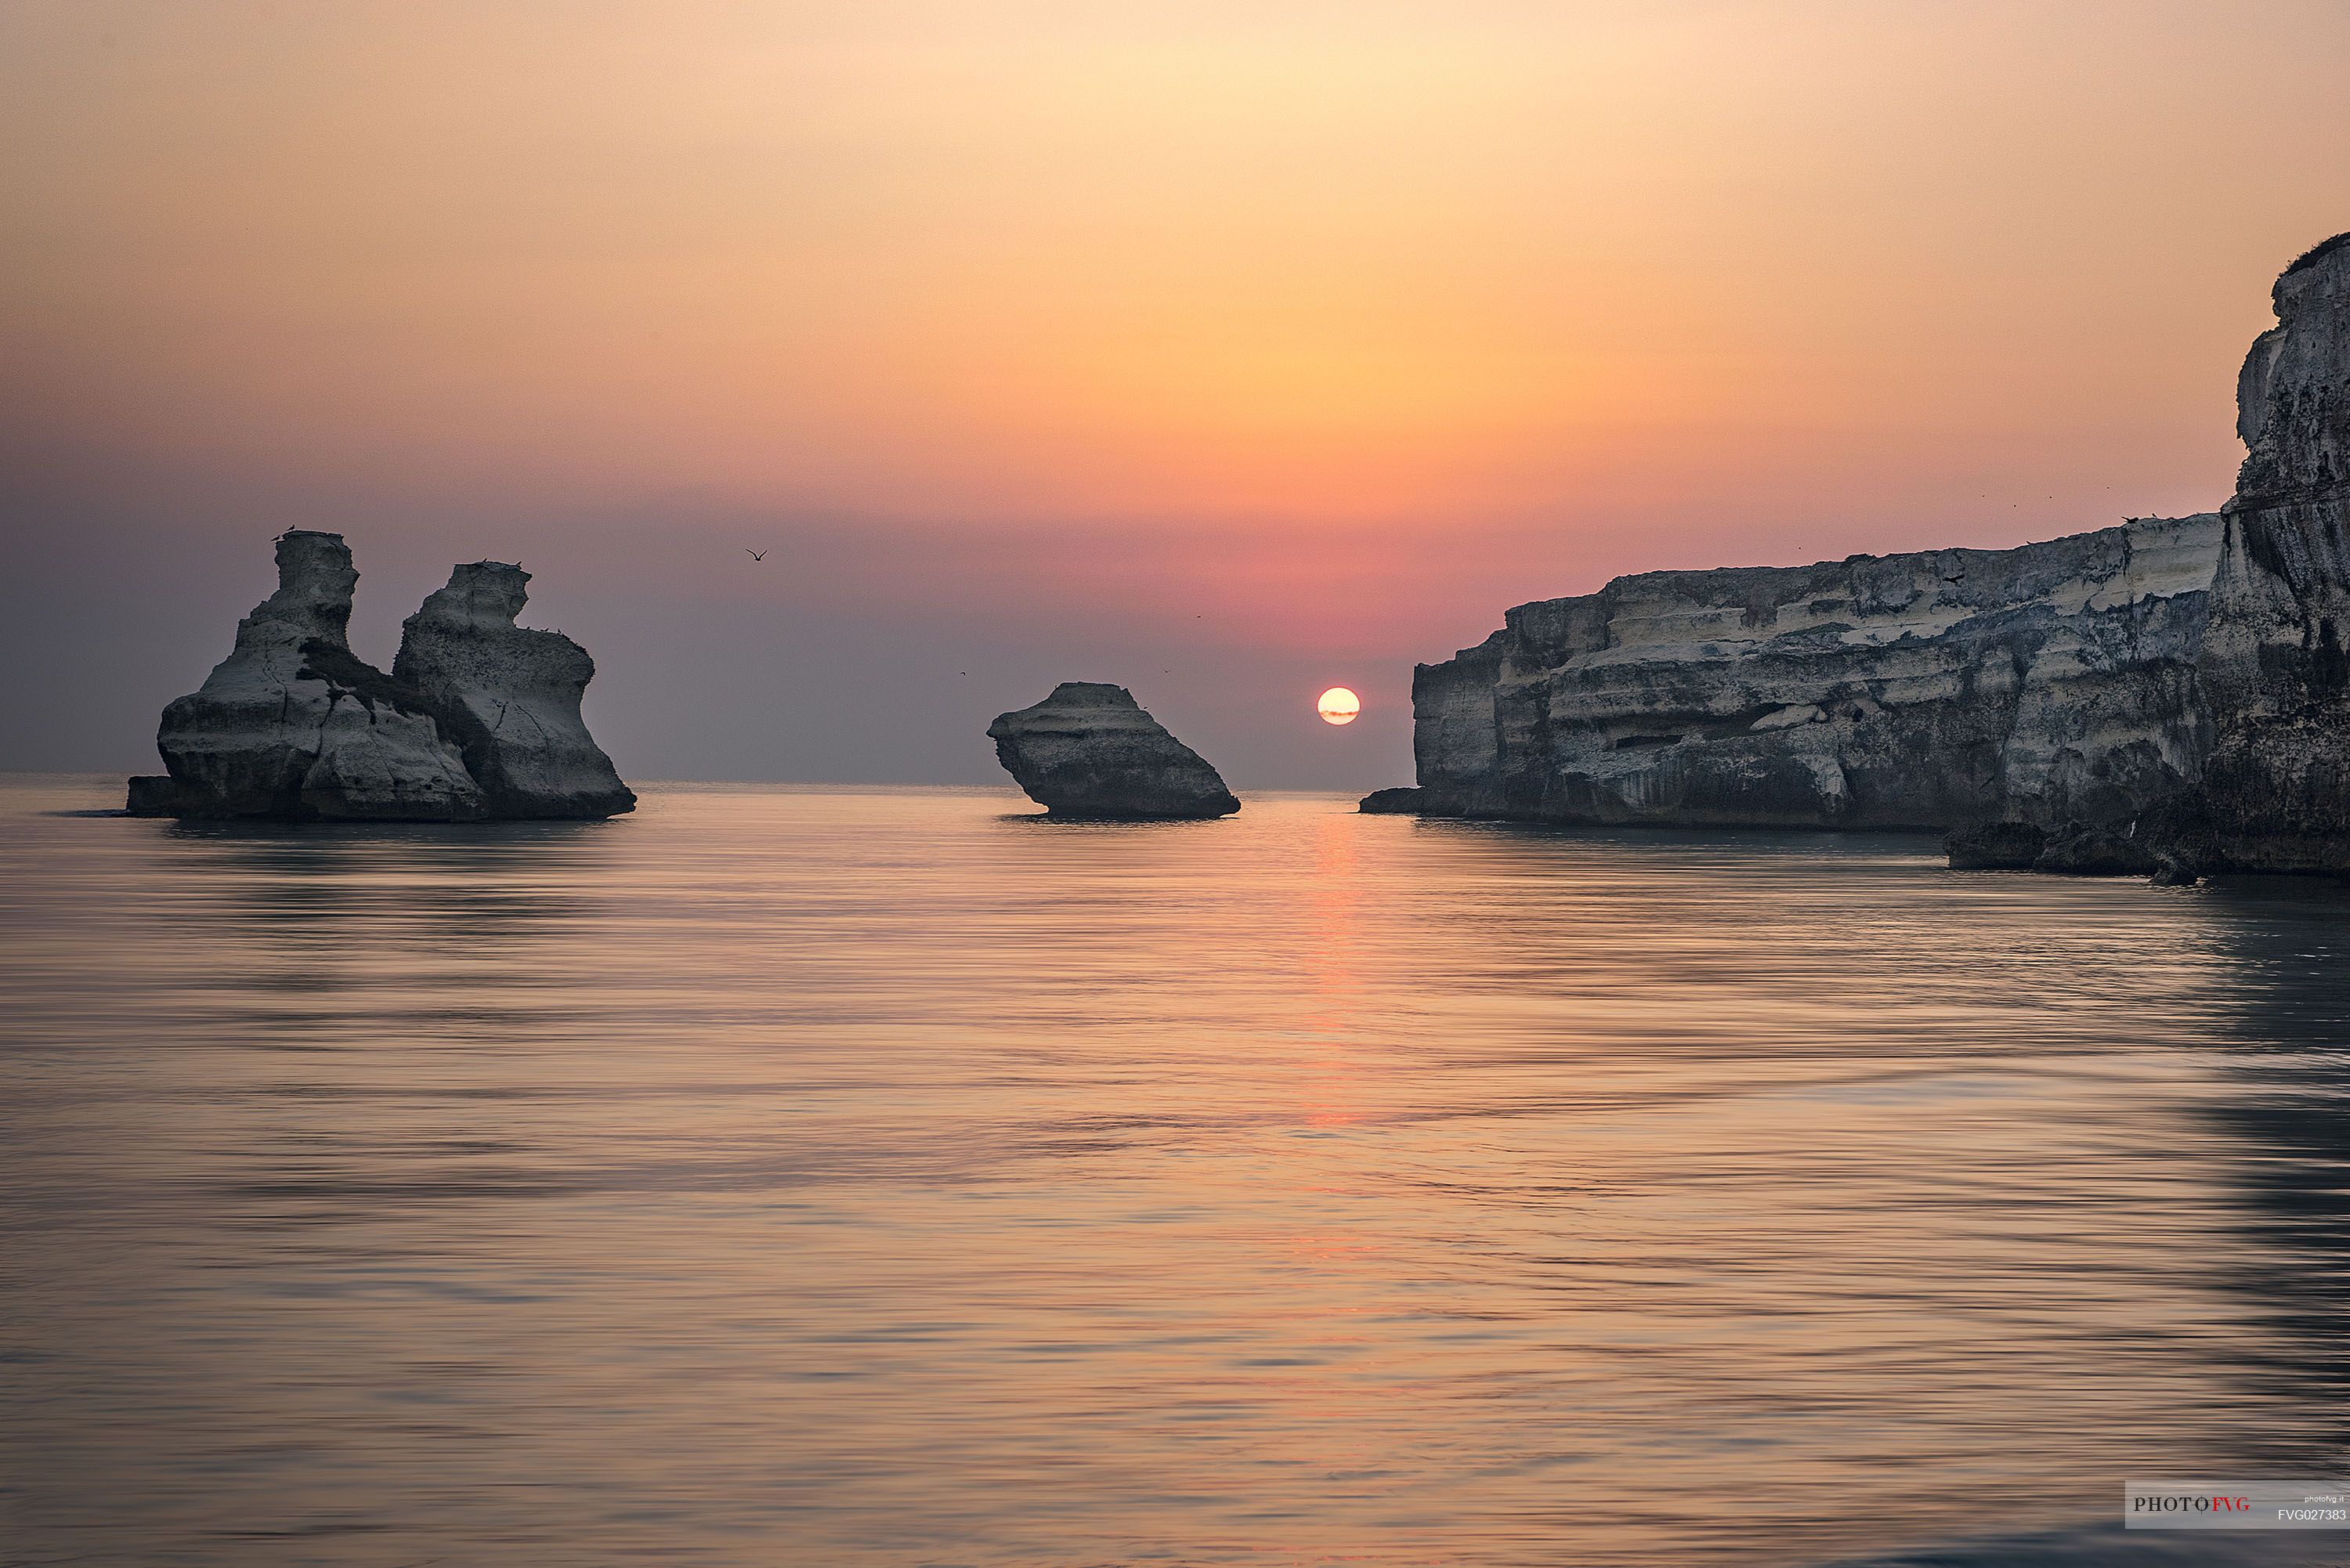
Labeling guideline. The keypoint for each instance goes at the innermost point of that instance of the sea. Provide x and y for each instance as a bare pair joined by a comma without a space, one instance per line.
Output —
877,1176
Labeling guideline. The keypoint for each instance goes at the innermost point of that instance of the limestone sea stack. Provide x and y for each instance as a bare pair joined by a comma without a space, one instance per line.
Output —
294,726
1090,750
2168,696
509,698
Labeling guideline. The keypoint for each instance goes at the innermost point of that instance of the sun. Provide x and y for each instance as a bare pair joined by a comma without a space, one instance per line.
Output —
1338,706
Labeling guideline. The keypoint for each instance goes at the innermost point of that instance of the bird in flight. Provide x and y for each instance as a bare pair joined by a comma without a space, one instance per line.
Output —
754,555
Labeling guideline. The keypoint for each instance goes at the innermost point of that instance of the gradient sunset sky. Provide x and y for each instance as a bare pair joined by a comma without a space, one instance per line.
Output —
1227,351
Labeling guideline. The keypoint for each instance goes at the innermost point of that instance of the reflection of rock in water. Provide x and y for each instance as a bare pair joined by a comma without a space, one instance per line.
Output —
1587,1162
2290,1120
337,896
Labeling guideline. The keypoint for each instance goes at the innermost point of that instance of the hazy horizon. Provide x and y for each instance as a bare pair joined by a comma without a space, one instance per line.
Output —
1221,352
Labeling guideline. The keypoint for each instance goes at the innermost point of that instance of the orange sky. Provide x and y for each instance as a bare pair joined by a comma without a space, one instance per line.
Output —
1331,328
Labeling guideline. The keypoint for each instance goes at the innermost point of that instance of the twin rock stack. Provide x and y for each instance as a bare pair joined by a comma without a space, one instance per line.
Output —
478,719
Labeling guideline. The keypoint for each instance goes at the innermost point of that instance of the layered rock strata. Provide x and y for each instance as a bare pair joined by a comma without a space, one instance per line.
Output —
1090,750
294,726
2168,696
1912,692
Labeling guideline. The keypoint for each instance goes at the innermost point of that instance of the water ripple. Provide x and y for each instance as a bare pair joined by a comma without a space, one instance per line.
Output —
884,1177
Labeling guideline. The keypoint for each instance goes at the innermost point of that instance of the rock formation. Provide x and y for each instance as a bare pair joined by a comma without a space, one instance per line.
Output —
2166,696
292,725
1912,690
2275,675
508,697
1405,800
1090,750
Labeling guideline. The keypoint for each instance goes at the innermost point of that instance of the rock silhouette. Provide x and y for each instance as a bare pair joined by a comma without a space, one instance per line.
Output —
508,697
294,726
1090,750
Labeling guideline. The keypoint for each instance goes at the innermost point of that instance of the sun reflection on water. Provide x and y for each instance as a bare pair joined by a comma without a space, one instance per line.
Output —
883,1178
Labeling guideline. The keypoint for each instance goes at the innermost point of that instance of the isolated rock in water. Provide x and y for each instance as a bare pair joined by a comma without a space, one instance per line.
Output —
1402,801
1926,691
509,698
1090,750
478,719
2275,669
292,725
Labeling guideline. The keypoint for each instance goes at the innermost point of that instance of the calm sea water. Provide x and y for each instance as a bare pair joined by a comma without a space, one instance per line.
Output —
889,1178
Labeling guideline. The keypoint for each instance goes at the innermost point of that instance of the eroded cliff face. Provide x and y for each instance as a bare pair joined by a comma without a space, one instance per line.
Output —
509,697
2274,670
2172,696
294,726
1090,750
2054,681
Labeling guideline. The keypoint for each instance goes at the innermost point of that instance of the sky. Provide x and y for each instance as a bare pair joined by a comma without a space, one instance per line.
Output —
1225,351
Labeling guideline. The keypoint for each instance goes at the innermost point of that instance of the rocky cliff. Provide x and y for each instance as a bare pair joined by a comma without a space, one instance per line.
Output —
292,725
2173,692
1909,690
1090,750
2274,673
